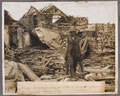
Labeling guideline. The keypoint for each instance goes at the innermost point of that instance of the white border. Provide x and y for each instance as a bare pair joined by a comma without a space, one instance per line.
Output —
3,49
116,50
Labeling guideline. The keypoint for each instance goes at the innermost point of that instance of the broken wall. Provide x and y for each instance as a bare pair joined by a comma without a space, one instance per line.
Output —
27,21
6,35
8,28
7,18
104,38
27,39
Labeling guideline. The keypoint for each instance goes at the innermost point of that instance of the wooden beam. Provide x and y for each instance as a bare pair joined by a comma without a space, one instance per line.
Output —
26,70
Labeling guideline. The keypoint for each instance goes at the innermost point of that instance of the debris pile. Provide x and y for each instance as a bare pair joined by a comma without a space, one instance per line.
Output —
42,61
101,68
49,64
105,37
37,63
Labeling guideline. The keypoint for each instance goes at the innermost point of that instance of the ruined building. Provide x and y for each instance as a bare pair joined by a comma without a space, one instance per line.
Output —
9,30
51,20
50,17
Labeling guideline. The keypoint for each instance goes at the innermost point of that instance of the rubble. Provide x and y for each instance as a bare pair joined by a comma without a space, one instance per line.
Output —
10,86
45,61
50,39
30,74
97,70
49,64
12,71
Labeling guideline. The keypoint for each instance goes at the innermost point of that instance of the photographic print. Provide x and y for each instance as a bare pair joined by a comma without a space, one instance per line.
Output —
60,47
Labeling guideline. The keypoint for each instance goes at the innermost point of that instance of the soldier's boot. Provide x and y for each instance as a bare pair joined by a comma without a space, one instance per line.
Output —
71,70
67,68
75,65
81,66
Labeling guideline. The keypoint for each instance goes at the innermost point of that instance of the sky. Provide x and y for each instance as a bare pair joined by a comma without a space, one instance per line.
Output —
97,12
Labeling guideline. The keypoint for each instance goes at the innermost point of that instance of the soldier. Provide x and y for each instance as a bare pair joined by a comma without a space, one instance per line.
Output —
73,54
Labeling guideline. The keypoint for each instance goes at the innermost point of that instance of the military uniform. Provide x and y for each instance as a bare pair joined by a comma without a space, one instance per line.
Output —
73,54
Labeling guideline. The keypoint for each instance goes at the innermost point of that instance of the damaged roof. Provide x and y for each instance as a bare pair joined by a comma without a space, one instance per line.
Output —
52,9
7,18
49,9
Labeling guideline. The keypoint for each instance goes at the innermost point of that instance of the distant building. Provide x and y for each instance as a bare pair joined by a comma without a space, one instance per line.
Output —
50,17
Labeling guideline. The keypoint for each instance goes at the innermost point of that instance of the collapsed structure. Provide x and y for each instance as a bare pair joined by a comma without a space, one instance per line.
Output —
50,17
48,28
9,29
